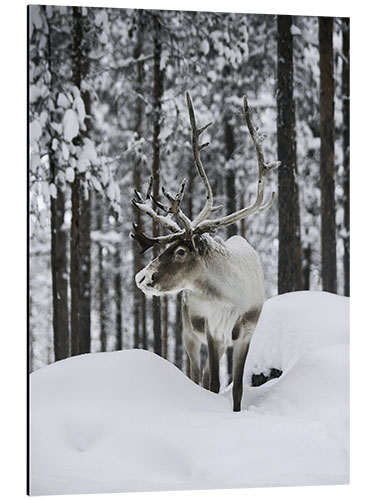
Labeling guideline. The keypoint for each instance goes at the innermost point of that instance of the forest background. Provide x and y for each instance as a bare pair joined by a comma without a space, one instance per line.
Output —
107,109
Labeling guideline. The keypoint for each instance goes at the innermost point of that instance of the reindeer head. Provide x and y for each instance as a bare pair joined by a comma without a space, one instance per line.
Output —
182,262
175,269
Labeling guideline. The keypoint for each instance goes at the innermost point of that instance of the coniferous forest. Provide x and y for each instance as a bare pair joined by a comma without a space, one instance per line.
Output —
107,109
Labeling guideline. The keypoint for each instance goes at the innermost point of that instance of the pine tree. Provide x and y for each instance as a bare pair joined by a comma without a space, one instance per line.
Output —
80,243
289,262
61,333
327,174
157,116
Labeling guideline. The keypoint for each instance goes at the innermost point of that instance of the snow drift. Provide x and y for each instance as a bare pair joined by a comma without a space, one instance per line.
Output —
131,421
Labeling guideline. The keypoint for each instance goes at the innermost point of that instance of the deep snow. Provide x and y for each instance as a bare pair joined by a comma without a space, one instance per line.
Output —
131,421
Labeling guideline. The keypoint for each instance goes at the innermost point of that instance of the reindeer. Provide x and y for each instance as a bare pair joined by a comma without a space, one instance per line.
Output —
222,281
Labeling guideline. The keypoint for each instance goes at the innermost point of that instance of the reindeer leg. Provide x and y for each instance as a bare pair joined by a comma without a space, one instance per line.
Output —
241,335
240,350
213,361
192,344
193,349
206,376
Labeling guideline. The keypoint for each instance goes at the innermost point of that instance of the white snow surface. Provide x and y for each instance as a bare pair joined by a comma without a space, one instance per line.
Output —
131,421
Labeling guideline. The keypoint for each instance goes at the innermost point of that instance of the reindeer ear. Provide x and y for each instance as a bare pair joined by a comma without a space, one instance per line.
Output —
198,243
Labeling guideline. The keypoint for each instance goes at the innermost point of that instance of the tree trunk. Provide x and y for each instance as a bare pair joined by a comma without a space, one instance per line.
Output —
346,148
230,178
179,351
289,260
102,302
75,293
59,268
61,338
80,258
230,187
137,263
86,273
306,268
118,300
102,285
139,304
327,179
165,326
157,96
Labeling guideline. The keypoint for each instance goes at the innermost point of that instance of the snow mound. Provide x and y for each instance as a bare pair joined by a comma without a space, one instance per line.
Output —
294,324
131,421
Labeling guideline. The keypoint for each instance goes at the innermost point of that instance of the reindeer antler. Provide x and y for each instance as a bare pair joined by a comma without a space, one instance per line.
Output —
263,170
144,206
201,224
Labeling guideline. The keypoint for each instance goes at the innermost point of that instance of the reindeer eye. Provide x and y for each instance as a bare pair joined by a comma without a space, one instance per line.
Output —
181,252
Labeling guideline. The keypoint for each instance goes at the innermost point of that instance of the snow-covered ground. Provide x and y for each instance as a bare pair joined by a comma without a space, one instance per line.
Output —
131,421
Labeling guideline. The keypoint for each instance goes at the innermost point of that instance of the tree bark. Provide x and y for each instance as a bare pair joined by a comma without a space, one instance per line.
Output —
289,260
75,293
157,96
230,187
102,285
85,327
327,179
306,268
118,300
144,321
137,263
80,254
230,178
59,268
346,148
102,302
179,351
139,304
165,326
61,337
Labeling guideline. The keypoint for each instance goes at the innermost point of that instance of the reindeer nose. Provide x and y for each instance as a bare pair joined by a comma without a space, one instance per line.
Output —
153,277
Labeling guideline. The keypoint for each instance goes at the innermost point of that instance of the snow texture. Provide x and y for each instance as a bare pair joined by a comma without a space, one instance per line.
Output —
70,124
131,421
294,30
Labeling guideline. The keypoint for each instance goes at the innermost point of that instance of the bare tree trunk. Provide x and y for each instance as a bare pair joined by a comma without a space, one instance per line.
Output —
75,294
102,302
289,261
165,326
144,321
327,174
59,267
230,178
118,300
139,304
59,273
80,258
158,93
179,351
137,263
102,285
86,273
230,186
306,268
346,148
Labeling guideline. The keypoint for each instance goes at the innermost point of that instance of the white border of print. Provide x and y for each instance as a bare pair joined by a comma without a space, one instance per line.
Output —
13,246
